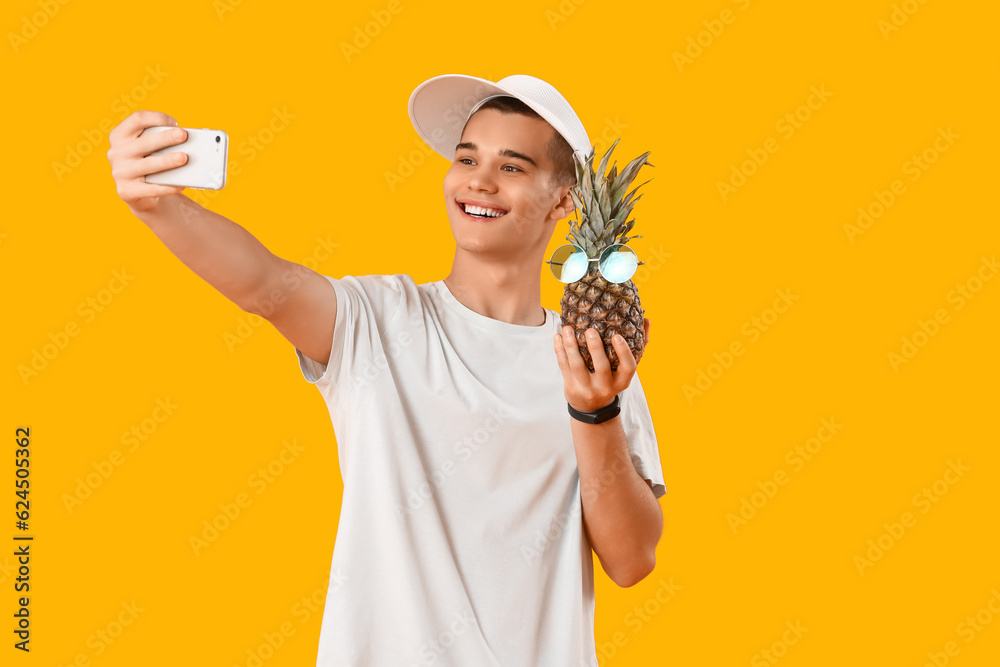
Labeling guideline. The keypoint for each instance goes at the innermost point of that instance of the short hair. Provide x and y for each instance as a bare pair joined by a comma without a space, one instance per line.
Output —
559,150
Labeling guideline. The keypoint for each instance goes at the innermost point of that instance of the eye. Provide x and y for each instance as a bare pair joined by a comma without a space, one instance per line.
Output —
511,166
464,160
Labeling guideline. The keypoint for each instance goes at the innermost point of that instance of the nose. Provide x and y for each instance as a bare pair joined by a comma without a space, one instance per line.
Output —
481,180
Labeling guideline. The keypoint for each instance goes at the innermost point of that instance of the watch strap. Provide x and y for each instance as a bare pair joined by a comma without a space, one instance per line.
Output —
599,416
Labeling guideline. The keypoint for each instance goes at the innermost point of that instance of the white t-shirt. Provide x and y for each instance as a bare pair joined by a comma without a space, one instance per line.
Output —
460,539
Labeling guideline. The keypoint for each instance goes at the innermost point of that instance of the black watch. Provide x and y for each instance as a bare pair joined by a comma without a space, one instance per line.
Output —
600,416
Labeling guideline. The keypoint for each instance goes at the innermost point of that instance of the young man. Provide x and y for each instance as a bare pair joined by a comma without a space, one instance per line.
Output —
472,499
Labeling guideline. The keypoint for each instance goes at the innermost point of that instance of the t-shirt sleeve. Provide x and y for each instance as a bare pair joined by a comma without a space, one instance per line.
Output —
365,306
638,426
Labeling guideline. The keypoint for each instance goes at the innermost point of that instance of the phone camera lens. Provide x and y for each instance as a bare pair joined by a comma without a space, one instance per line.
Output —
218,139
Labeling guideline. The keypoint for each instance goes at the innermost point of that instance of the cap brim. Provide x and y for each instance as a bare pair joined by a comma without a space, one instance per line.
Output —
440,106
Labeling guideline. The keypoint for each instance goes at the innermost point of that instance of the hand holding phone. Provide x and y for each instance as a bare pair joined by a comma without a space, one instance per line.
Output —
207,152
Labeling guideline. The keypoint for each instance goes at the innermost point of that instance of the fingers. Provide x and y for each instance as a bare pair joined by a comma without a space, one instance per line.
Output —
645,324
557,342
138,121
598,355
143,166
572,351
131,143
626,360
588,390
129,176
154,140
127,152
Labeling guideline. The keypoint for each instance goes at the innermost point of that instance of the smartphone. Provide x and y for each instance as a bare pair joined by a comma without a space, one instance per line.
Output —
207,151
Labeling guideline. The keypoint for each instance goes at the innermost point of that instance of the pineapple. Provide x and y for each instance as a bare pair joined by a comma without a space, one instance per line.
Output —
602,210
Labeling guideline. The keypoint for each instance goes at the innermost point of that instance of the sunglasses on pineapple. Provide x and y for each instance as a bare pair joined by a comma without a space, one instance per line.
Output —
616,264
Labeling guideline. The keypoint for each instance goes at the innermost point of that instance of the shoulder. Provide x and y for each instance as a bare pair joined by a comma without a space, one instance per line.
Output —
377,286
380,280
378,296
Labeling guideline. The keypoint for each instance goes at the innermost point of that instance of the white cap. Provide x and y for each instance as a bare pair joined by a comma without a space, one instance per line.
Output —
440,107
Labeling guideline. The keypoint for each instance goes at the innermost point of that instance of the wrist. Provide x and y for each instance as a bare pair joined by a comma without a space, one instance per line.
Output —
164,211
596,415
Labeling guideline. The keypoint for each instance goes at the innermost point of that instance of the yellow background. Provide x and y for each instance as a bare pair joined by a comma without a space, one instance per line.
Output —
323,175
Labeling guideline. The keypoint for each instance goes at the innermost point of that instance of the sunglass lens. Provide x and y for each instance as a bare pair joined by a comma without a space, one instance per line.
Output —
568,263
618,263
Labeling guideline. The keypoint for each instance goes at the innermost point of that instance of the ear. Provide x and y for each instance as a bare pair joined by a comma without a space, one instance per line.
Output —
564,206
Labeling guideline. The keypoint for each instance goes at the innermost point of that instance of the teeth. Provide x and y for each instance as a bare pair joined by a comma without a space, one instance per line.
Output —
479,210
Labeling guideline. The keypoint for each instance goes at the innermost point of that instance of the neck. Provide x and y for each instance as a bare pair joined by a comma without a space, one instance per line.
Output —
503,289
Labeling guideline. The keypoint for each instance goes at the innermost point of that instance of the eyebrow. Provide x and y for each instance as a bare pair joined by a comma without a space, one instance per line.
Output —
503,153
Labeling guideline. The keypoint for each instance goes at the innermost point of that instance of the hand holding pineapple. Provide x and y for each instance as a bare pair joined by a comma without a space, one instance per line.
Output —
588,390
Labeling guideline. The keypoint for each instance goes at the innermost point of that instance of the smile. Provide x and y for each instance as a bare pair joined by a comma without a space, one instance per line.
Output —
480,211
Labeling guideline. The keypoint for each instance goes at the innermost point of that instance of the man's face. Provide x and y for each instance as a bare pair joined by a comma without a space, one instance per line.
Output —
502,167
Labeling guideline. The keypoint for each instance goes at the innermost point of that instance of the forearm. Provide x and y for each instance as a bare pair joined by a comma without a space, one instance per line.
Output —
620,513
220,251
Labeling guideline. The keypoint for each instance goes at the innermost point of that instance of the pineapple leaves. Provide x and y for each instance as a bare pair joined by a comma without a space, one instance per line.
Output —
576,200
604,160
587,189
626,239
627,201
601,203
605,201
629,173
633,203
607,235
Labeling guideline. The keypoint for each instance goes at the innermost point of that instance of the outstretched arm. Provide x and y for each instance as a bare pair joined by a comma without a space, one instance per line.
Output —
299,302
